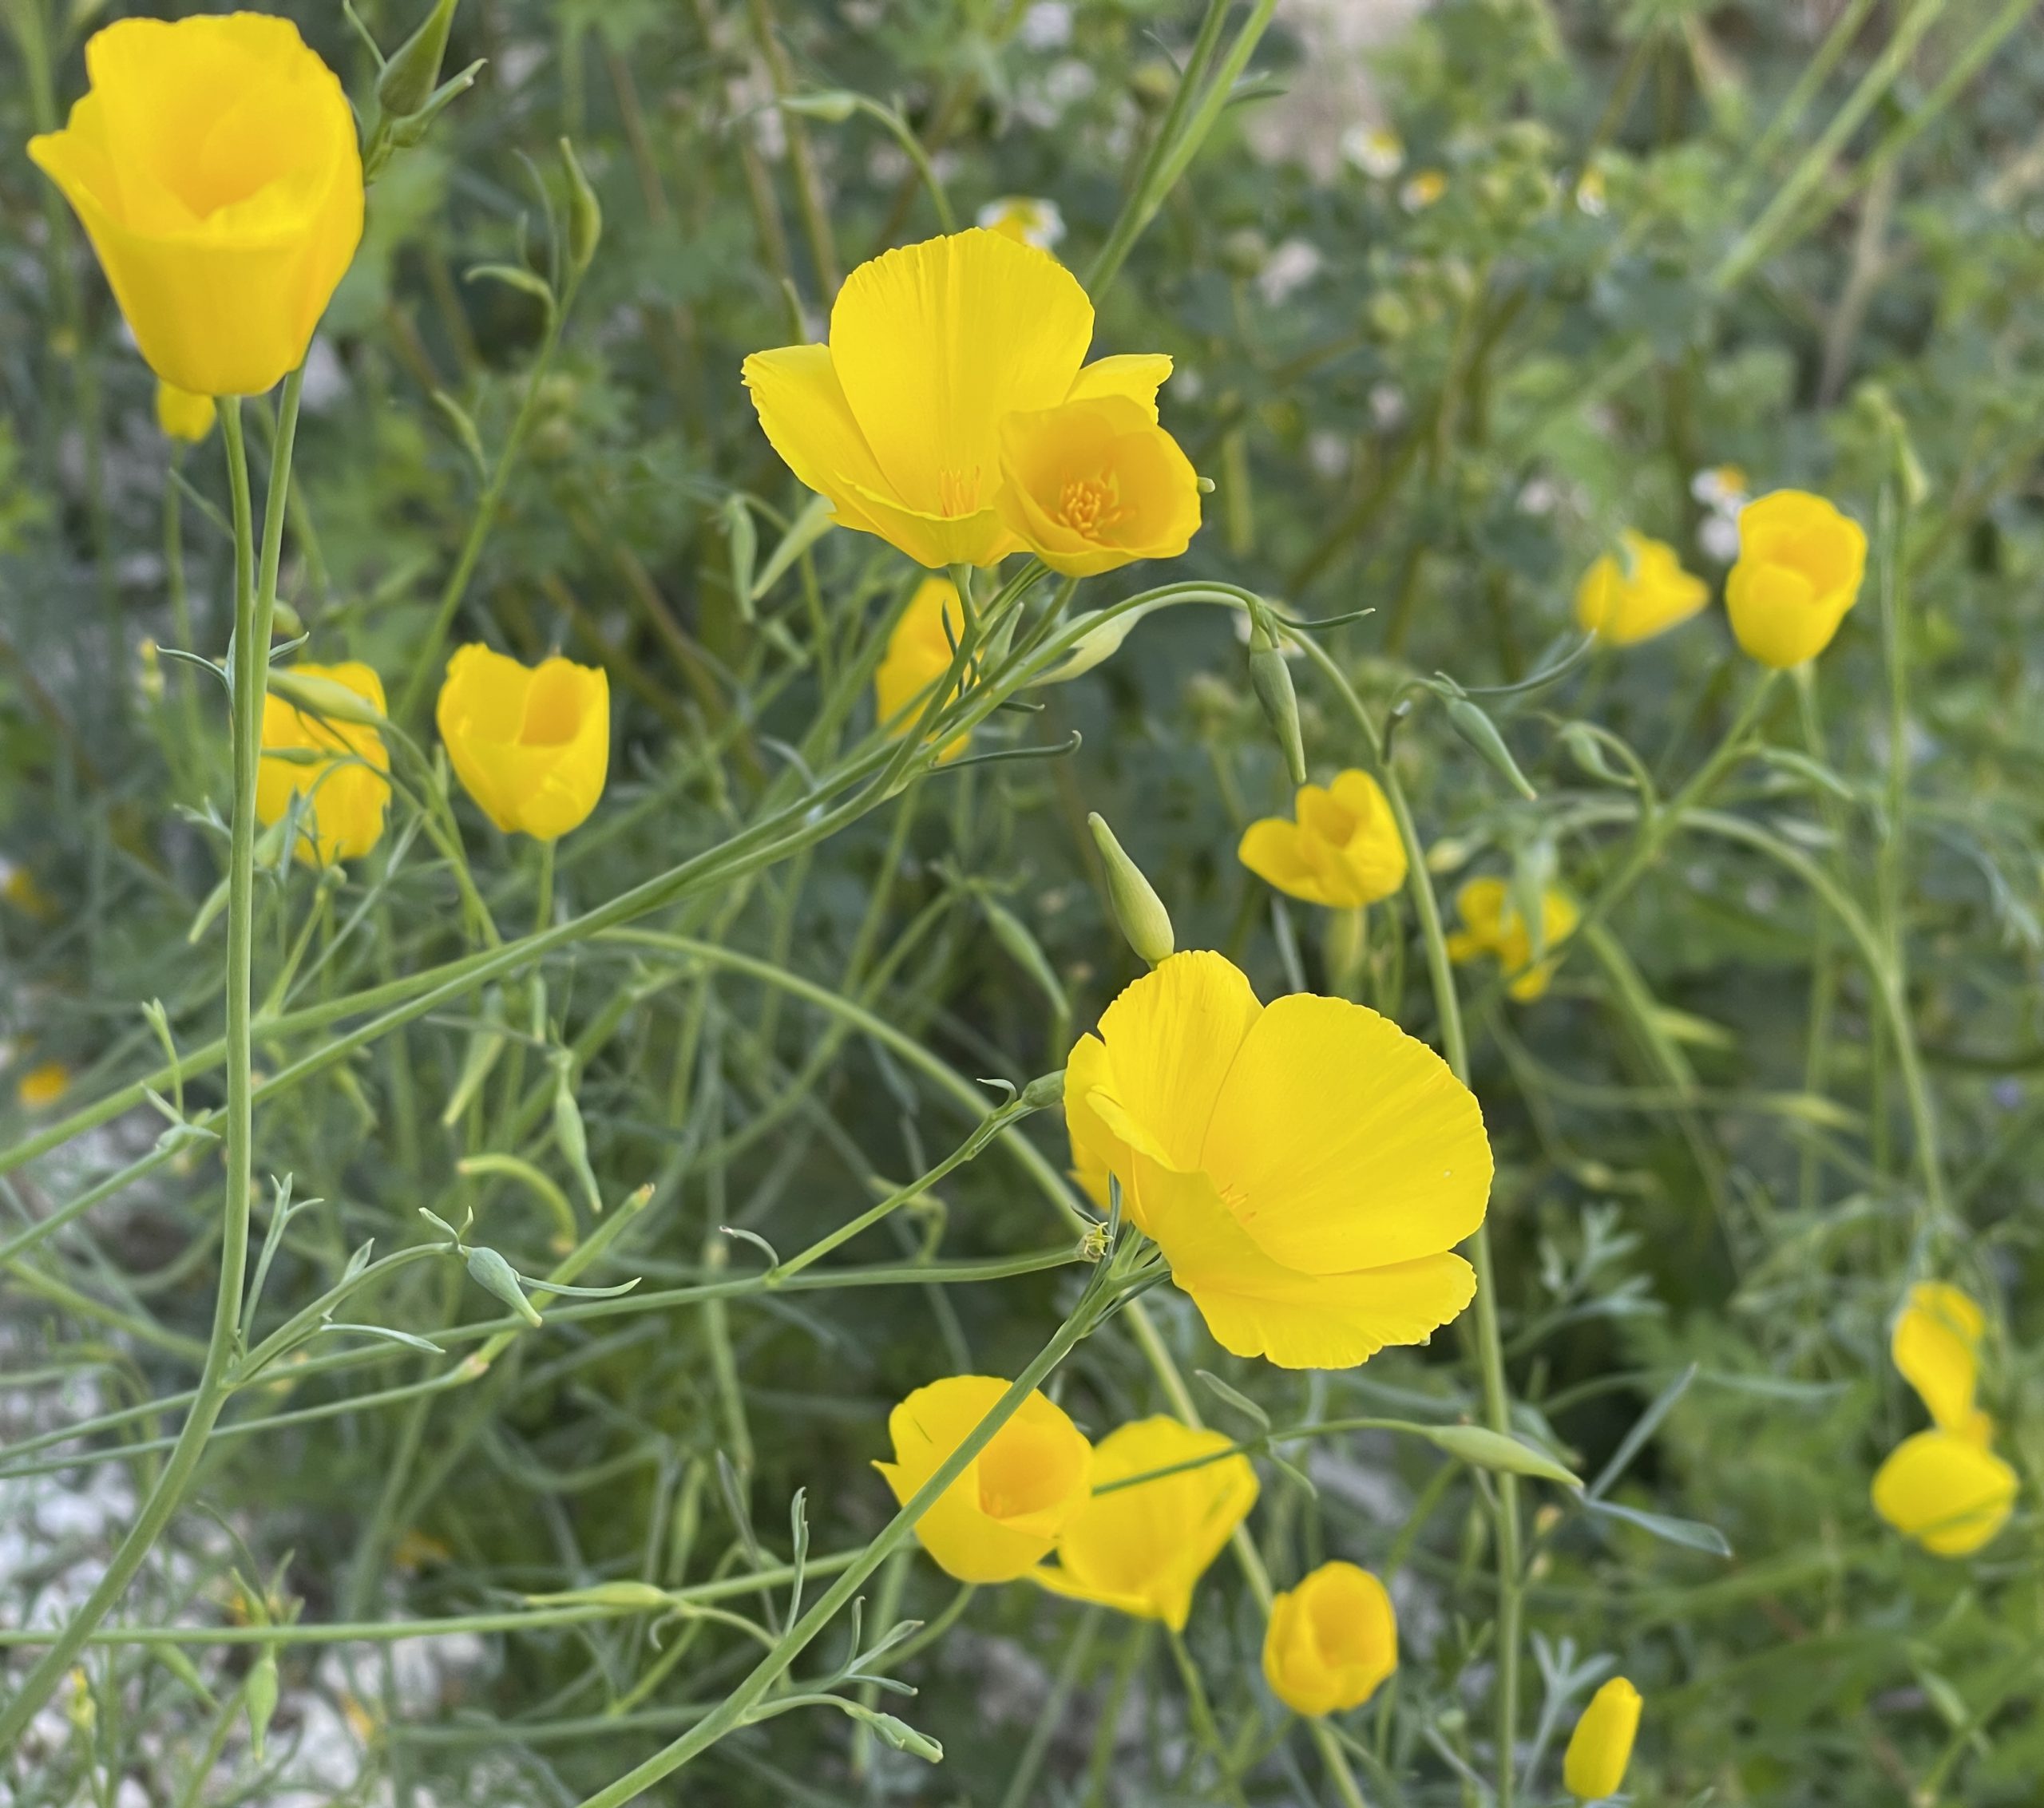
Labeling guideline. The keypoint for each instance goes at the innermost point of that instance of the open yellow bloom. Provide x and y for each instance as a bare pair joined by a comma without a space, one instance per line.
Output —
182,415
347,792
213,164
1600,1746
1937,1345
1141,1550
919,653
1800,565
1947,1490
1343,850
1490,924
42,1086
897,419
1637,592
1004,1513
1331,1641
531,744
1306,1167
1095,484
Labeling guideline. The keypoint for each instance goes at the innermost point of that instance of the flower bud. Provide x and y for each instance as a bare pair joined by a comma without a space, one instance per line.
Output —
1140,911
409,77
259,1697
1600,1746
1271,679
585,213
490,1272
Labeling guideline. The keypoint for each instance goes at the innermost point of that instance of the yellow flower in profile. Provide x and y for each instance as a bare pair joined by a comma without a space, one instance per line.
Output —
1343,849
1937,1346
181,415
1490,924
1800,565
1096,484
1004,1513
346,791
1306,1167
1947,1490
897,419
1331,1641
214,165
1143,1549
531,744
1637,592
920,652
1600,1746
42,1086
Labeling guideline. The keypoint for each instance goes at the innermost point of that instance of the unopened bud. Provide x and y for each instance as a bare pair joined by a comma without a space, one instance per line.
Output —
1140,912
409,77
585,213
259,1697
1271,679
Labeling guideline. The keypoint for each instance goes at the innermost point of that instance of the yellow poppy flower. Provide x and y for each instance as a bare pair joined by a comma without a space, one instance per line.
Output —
1002,1515
1331,1641
531,744
1800,565
1306,1167
1637,592
213,164
919,653
1945,1489
1937,1346
1490,925
897,419
1141,1550
42,1086
1343,850
1600,1746
1026,217
182,415
347,792
1096,484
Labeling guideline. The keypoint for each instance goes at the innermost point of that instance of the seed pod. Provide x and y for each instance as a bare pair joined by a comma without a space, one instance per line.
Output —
1140,912
1271,678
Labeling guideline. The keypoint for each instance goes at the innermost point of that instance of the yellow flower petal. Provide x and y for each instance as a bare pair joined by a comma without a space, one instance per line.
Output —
1136,376
1638,592
1095,484
803,412
1143,1549
1331,1641
1946,1491
1936,1346
919,653
347,791
1344,850
530,744
1799,571
1600,1746
182,416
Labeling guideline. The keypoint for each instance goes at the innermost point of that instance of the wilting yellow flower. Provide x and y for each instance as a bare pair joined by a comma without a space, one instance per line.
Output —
1600,1746
919,653
1143,1549
43,1085
1800,565
346,792
1026,217
1095,484
1004,1513
1637,592
1306,1167
531,744
1490,924
214,165
1947,1490
1331,1641
1937,1345
1343,850
898,419
182,415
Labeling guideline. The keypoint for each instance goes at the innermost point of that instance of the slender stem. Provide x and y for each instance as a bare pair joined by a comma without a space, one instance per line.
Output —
255,601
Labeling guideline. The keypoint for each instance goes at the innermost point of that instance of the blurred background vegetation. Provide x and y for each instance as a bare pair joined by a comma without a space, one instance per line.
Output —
1456,292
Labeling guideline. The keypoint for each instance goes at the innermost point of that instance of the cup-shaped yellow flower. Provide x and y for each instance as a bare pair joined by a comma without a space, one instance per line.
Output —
897,419
1342,849
1947,1490
1492,925
346,791
1937,1345
1141,1549
1799,568
214,165
1095,485
1331,1641
919,652
1002,1514
531,744
1600,1746
1637,591
182,415
1306,1167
